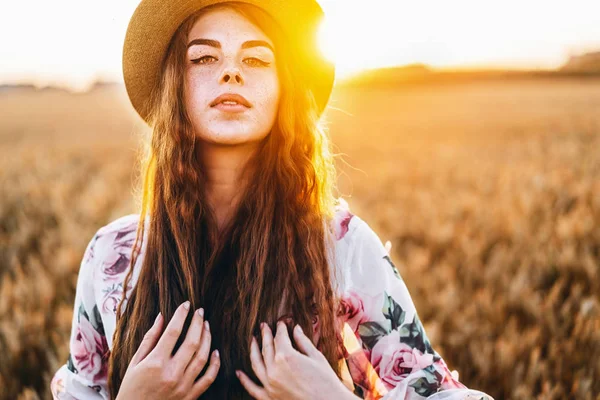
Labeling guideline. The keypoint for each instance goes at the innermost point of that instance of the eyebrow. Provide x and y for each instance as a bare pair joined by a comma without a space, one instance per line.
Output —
246,45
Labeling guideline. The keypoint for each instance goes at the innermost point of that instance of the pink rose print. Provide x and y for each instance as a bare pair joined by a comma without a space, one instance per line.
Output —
89,252
112,297
116,248
449,382
351,310
113,265
341,221
393,361
89,352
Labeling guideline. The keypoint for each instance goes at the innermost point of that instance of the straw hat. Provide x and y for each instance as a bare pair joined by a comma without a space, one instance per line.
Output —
154,22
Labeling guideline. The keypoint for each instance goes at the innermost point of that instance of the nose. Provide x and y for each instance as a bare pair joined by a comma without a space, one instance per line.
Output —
231,74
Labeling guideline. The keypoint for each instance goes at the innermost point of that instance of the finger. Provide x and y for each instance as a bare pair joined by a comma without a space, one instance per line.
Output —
283,343
209,376
167,341
268,350
149,340
191,343
258,365
201,357
255,391
304,343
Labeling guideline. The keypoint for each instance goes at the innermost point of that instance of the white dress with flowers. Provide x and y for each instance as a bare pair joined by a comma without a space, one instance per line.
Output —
388,355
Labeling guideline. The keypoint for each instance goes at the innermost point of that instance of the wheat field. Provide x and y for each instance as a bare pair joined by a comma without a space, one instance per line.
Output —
488,190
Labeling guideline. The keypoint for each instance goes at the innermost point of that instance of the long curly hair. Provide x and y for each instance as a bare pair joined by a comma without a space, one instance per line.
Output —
277,246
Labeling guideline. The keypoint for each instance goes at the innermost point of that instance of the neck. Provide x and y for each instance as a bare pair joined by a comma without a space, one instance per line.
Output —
224,167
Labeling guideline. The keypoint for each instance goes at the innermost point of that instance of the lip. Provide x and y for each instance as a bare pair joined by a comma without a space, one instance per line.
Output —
241,100
232,108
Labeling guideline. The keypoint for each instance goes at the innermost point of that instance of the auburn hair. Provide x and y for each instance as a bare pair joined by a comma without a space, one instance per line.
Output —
277,246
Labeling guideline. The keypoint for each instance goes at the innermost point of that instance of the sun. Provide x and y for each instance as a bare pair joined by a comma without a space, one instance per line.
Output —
336,47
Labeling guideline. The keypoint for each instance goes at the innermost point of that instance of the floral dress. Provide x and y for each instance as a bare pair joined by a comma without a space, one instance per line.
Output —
387,354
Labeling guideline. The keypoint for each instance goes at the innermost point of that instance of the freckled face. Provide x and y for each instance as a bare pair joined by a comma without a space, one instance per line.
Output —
236,58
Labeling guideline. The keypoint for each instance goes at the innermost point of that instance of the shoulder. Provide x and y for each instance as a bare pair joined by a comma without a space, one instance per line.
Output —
102,242
112,238
114,242
367,267
353,230
111,249
122,224
117,234
358,246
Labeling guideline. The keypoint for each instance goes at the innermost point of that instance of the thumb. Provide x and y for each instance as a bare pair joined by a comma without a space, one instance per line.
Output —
149,340
305,344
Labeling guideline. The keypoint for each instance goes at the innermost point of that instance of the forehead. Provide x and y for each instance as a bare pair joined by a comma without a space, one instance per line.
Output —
227,26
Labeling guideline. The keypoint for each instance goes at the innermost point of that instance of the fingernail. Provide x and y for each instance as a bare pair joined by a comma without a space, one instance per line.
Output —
201,312
262,326
217,353
299,328
186,305
157,318
237,373
206,325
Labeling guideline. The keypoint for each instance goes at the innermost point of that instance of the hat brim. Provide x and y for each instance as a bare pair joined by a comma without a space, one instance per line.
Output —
154,22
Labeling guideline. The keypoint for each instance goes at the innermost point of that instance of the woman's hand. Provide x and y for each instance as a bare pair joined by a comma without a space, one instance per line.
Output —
286,373
154,374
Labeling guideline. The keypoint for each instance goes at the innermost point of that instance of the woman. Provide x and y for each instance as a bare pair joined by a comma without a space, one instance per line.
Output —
239,227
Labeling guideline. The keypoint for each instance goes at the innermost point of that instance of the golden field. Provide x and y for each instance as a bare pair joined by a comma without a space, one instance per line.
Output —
489,191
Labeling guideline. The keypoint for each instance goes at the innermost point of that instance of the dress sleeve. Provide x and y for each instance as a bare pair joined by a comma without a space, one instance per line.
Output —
84,375
387,350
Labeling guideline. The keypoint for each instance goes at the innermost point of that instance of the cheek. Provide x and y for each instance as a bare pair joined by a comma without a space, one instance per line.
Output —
267,95
196,91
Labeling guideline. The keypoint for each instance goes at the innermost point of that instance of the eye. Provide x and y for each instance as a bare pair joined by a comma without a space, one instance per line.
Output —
201,60
257,62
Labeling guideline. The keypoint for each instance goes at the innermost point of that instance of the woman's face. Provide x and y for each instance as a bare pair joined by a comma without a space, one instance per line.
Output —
227,54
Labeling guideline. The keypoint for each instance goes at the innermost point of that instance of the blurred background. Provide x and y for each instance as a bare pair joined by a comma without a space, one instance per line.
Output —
468,135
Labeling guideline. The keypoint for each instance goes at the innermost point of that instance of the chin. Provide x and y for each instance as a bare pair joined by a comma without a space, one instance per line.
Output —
230,138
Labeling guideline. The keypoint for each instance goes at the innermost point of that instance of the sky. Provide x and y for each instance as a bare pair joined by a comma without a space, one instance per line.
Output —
75,42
